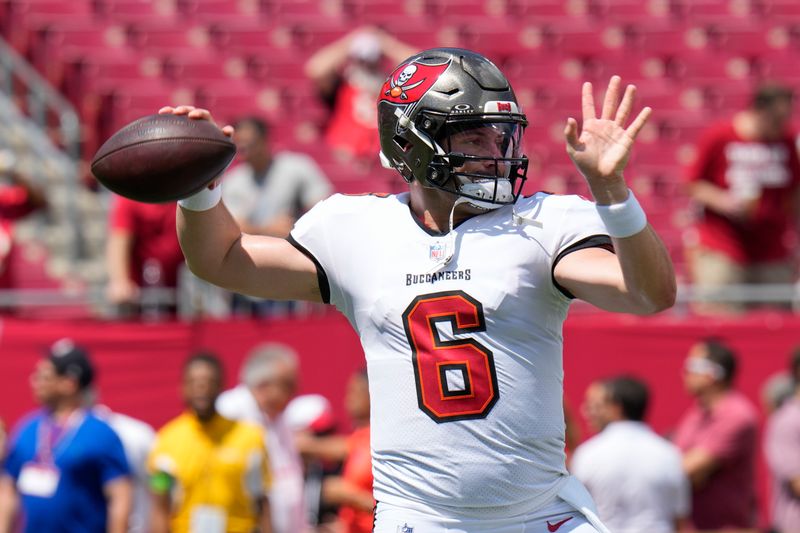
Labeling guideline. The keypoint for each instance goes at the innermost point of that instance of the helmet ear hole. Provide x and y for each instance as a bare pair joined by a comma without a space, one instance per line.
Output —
438,174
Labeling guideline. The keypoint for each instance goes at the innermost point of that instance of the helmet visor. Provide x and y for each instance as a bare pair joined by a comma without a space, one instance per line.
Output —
488,148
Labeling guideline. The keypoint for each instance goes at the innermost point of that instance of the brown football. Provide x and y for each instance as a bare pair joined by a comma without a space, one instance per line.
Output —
162,158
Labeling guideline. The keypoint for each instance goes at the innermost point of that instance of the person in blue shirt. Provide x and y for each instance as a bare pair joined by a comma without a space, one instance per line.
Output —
65,468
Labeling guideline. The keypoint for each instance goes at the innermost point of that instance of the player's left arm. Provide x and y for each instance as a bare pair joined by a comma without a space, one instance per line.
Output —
639,278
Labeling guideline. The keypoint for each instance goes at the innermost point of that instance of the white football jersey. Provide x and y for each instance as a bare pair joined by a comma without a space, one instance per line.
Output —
464,357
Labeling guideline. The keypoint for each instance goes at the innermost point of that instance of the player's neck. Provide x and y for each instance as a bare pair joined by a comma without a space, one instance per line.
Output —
64,408
433,207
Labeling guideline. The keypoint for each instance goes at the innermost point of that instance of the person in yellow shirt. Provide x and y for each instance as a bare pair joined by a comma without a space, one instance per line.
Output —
208,474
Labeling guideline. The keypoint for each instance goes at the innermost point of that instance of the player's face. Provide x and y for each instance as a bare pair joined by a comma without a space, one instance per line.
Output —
274,393
250,146
201,387
698,371
489,141
44,383
596,407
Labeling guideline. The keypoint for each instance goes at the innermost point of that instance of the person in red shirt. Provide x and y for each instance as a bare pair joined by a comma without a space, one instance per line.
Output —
352,491
717,438
142,251
19,197
745,180
348,73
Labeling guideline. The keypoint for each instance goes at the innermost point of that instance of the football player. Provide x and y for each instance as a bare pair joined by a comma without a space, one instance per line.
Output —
458,290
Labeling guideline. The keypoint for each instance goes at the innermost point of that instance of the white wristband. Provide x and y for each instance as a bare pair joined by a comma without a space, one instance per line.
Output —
625,219
203,200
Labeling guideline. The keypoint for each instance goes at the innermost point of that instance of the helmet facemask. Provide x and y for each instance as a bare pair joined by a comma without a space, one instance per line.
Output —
480,160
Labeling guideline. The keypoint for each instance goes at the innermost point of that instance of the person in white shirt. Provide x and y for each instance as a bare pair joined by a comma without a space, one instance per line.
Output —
458,289
137,440
268,382
634,476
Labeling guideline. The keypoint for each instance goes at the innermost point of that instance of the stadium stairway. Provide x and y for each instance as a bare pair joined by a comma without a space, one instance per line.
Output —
52,259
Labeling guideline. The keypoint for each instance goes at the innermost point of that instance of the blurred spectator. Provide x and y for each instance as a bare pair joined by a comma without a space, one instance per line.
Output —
313,414
634,476
781,445
142,252
208,473
266,192
268,380
348,74
137,440
19,197
717,437
65,466
745,180
775,391
352,491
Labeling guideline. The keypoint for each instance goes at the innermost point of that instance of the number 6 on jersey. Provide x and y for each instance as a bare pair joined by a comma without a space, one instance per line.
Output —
456,380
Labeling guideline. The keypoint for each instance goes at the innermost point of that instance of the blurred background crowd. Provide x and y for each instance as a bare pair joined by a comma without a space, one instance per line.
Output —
716,169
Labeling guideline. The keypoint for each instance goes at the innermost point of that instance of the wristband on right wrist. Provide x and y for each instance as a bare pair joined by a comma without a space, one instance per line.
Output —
204,200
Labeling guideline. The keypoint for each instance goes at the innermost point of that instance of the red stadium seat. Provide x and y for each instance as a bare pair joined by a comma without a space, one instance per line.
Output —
251,37
156,36
128,11
581,37
745,38
193,67
664,38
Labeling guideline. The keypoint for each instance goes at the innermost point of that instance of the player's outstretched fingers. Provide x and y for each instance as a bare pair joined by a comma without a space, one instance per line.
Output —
587,101
571,133
166,110
611,99
639,122
228,130
625,106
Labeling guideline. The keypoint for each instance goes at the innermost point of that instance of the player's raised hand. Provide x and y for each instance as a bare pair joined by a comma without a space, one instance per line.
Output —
194,113
603,147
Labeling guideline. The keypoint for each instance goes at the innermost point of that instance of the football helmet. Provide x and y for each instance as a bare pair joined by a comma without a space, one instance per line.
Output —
448,118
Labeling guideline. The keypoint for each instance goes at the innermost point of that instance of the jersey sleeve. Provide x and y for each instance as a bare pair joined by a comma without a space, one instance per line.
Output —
315,234
113,462
22,438
578,227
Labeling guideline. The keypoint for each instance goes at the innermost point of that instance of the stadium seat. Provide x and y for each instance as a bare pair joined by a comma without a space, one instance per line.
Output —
581,37
248,36
130,11
664,38
745,38
198,67
158,36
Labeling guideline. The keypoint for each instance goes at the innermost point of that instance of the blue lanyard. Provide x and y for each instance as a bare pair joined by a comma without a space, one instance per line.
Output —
46,444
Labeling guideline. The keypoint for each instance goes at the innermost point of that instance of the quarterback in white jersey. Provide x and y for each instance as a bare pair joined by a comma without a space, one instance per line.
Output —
458,290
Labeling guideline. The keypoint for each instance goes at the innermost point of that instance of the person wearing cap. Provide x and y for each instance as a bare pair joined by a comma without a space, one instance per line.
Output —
348,74
208,473
717,438
66,469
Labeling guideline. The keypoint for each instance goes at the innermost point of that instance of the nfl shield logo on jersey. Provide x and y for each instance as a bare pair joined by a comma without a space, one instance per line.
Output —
437,254
405,528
